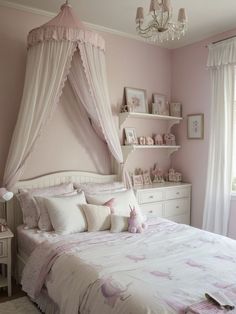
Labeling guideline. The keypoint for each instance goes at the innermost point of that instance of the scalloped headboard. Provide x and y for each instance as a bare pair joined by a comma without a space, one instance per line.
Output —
13,209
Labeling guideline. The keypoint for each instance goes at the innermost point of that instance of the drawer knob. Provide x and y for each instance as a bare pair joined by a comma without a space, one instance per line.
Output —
150,211
151,196
177,206
177,193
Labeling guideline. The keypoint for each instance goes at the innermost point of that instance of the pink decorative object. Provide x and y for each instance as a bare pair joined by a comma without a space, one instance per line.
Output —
174,176
157,174
158,139
149,140
135,222
169,139
142,140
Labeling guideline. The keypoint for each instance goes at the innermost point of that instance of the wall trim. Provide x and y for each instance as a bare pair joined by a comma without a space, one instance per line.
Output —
95,27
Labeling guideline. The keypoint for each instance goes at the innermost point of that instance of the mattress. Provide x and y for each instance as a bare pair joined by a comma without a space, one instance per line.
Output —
29,239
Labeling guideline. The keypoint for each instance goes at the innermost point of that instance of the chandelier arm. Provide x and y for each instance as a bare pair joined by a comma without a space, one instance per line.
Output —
167,19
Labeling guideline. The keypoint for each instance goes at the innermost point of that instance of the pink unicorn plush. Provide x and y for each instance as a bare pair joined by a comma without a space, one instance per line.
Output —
135,222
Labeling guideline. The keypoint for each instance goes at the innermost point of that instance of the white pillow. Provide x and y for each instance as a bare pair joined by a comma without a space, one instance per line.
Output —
66,214
122,202
119,223
44,222
98,217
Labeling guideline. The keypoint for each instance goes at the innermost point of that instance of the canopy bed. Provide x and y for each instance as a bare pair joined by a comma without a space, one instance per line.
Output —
166,269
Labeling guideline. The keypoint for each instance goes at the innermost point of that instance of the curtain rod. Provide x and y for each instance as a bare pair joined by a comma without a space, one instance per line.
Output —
218,41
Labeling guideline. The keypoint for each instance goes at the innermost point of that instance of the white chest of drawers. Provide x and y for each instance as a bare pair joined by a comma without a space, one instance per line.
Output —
168,200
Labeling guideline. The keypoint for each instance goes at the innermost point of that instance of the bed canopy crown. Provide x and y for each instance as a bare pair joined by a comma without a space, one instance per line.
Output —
65,26
59,51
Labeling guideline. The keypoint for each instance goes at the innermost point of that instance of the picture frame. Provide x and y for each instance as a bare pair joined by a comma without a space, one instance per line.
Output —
137,180
160,105
146,178
176,109
136,99
131,137
195,126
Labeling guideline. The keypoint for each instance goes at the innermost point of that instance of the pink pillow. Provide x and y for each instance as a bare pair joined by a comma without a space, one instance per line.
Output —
28,203
95,188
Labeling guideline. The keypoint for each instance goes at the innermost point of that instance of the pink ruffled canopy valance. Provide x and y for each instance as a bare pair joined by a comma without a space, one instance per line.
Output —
65,26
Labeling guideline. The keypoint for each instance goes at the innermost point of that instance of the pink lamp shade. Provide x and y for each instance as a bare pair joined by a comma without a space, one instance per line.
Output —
139,15
154,6
166,5
5,195
182,18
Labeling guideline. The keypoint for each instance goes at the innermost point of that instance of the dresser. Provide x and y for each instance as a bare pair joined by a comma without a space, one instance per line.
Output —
167,200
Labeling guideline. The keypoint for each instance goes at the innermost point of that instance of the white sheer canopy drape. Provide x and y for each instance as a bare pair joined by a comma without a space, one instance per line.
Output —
47,67
221,62
51,49
88,79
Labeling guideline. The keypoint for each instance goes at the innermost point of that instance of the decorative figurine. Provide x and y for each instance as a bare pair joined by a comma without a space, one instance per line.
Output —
158,139
169,139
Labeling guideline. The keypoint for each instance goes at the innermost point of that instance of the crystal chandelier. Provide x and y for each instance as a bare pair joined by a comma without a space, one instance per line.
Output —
161,27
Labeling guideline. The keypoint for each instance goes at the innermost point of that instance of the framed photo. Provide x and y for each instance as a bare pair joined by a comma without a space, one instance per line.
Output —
176,109
137,180
136,99
131,137
195,126
160,105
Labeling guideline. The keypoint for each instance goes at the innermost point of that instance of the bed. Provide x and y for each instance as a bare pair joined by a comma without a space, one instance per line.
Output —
164,270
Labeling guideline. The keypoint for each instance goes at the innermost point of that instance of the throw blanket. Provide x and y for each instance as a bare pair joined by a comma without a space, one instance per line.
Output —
164,270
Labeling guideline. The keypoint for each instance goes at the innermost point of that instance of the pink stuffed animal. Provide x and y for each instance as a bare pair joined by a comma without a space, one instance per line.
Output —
135,222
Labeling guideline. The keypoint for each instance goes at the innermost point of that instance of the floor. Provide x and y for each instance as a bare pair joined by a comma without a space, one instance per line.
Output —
16,293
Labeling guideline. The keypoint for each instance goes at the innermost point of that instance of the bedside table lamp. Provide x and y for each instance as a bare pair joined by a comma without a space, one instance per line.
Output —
5,196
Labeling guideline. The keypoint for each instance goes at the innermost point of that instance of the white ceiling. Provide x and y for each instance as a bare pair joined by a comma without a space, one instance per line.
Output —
206,17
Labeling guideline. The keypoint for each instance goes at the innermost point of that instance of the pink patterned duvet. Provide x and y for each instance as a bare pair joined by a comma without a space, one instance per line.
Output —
164,270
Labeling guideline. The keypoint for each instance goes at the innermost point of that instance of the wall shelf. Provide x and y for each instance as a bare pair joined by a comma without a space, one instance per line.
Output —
136,115
129,149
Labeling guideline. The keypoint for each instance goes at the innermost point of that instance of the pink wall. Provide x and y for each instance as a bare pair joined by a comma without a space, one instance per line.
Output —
58,147
191,86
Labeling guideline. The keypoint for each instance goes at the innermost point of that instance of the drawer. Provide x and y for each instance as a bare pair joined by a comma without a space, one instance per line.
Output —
3,248
182,219
150,196
177,193
153,210
177,207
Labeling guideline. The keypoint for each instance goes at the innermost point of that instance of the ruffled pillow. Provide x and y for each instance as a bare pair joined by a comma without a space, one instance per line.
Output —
28,203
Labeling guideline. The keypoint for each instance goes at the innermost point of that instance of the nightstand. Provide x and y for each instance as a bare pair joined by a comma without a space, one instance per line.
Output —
5,259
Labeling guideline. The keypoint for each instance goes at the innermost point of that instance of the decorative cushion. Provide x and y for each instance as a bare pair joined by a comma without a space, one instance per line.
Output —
119,223
44,222
28,204
96,188
66,213
122,201
98,217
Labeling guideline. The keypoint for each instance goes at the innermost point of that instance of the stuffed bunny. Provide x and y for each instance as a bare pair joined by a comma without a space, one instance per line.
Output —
135,222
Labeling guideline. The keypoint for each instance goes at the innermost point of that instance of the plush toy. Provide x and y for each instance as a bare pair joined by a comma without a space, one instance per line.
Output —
135,222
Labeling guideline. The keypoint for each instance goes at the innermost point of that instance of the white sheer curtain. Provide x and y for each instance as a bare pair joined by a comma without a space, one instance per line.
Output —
222,58
99,109
48,64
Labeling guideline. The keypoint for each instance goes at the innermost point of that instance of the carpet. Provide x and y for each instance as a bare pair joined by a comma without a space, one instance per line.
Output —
18,306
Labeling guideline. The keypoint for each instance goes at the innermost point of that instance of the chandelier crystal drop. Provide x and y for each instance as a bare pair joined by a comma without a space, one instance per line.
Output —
161,27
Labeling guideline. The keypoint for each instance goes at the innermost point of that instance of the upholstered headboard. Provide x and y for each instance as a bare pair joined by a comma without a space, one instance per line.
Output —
13,209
